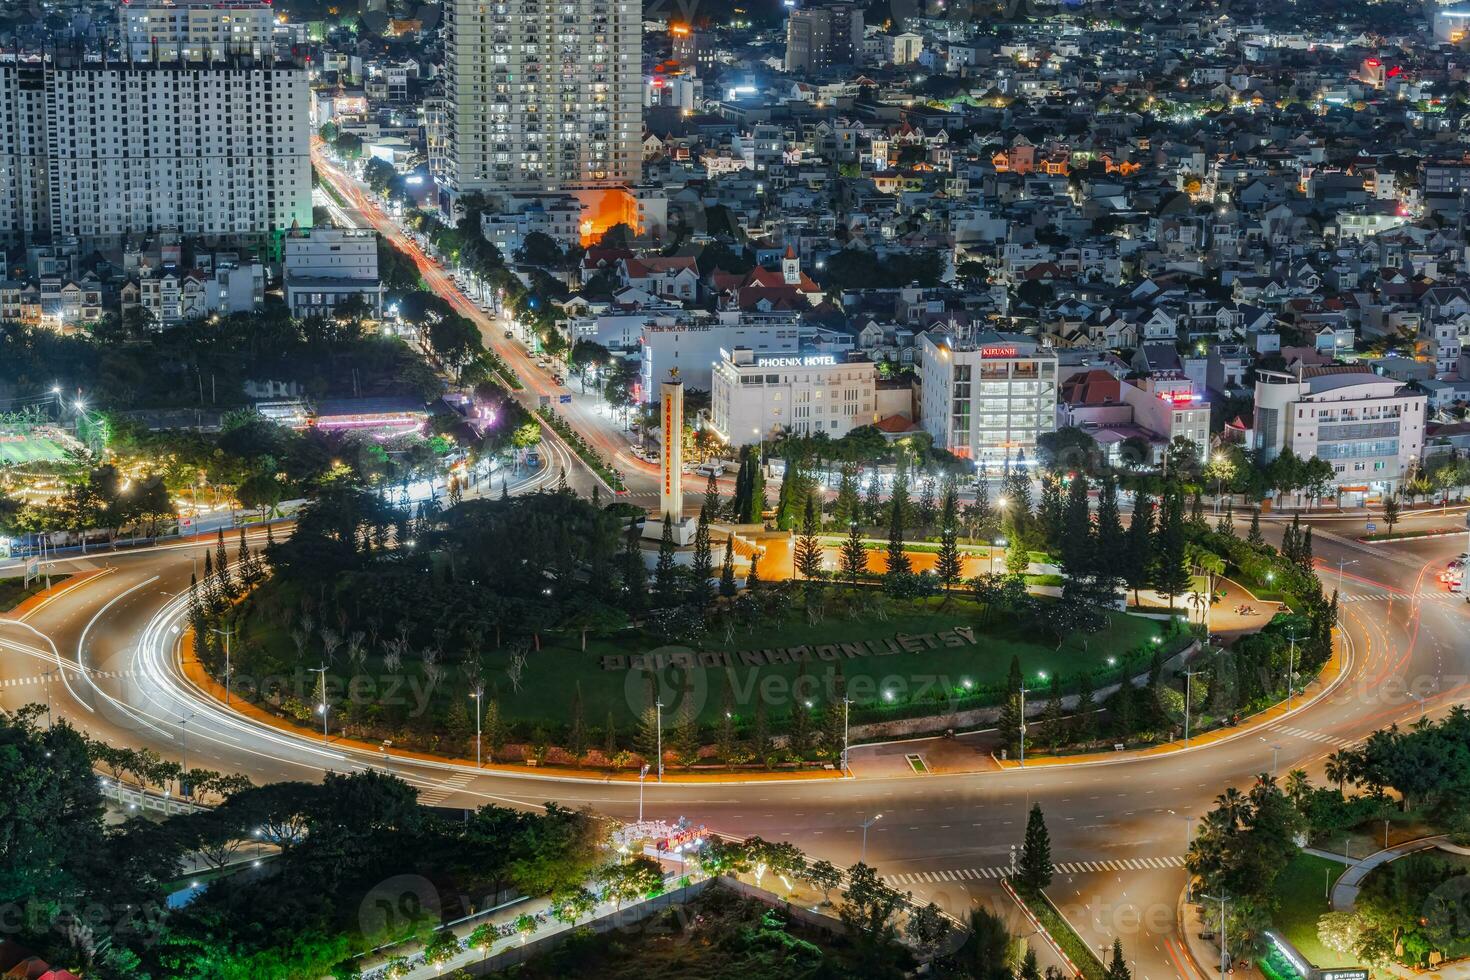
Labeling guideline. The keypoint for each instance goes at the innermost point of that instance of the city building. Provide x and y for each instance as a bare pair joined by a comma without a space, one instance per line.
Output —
105,152
756,396
1369,427
692,48
559,216
987,397
327,266
195,30
542,95
823,36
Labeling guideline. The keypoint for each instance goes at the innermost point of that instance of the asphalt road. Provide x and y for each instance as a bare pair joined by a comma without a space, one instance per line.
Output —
1119,830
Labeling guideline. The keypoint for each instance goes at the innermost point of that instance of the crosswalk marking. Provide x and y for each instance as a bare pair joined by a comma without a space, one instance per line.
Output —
1435,595
1318,737
444,789
1166,862
70,673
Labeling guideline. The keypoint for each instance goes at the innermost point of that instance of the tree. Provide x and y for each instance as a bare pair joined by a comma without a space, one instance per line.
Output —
854,556
702,568
665,572
1084,719
1076,542
1390,511
869,905
1009,723
808,554
1171,575
927,927
573,904
1253,536
1034,872
949,565
897,559
987,951
825,876
577,731
1118,966
633,572
1138,553
727,569
1053,725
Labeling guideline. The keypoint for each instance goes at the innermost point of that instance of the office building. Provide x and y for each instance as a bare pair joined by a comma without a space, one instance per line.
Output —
823,36
542,95
195,30
105,152
987,398
327,266
757,396
1369,427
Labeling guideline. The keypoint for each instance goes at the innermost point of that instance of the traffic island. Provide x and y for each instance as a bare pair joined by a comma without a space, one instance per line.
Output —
1053,927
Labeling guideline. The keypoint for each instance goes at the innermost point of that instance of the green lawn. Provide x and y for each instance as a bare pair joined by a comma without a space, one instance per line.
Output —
13,593
1301,901
31,449
932,679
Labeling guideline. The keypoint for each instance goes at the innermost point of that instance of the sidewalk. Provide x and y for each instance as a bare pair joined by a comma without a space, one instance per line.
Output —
1345,891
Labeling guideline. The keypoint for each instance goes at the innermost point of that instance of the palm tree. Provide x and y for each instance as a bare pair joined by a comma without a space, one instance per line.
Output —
1232,805
1297,785
1339,768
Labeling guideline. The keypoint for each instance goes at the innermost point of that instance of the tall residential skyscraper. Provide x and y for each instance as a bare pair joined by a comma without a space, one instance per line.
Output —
824,35
194,30
542,94
106,151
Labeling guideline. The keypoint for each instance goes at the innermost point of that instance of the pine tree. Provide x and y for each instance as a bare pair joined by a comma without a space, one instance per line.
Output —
1118,967
800,739
1010,709
740,502
983,524
949,566
725,731
854,555
1304,551
1110,548
789,496
1051,513
1290,537
210,595
872,501
1197,523
727,569
684,739
834,718
245,560
1120,707
1018,558
703,566
711,496
1171,575
1077,542
492,730
845,508
646,737
927,513
1053,725
577,731
610,738
760,736
1253,536
665,572
222,567
1226,524
634,572
897,559
1084,721
900,496
753,577
1139,546
1029,969
1035,869
807,558
756,504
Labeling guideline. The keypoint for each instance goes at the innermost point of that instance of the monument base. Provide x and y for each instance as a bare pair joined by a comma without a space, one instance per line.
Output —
653,530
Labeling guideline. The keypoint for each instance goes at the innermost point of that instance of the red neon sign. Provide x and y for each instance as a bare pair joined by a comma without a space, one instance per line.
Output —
1372,62
997,352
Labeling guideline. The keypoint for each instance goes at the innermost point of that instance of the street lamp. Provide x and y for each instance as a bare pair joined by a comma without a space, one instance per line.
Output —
998,543
1023,725
1188,691
1341,564
322,705
1291,670
642,775
658,707
477,694
846,703
184,751
866,824
1222,900
226,633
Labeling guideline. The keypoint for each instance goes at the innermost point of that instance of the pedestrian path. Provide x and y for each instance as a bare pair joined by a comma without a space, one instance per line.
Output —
1379,595
1066,867
443,789
1310,736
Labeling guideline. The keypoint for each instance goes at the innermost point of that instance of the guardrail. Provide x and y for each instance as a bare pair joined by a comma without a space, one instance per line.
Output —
138,799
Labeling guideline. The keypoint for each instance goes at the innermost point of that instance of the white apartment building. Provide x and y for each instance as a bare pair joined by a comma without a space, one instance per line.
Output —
1369,427
758,396
195,30
326,266
1171,406
105,152
558,216
695,348
989,397
542,94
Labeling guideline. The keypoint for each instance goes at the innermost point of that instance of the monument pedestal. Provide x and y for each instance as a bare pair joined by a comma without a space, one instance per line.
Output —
683,531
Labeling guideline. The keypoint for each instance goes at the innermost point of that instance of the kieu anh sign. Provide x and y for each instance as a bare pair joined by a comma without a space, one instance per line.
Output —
959,636
810,360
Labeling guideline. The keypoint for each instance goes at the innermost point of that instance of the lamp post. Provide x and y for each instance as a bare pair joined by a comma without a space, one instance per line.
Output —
227,634
47,685
1223,946
997,543
1275,755
184,753
1291,670
846,704
642,775
1023,724
866,824
658,707
322,705
478,694
1341,564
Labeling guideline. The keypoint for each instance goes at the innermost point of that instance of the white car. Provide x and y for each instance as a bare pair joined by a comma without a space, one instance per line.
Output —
711,467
